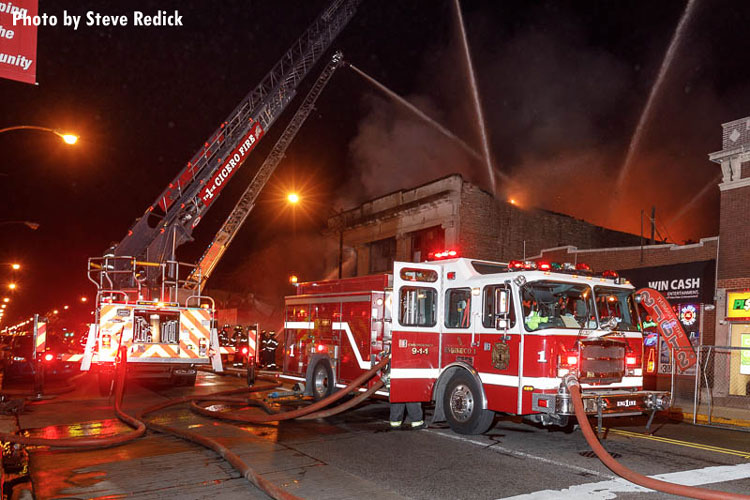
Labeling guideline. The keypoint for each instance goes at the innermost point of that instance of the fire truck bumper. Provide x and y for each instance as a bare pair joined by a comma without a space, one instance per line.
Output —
603,402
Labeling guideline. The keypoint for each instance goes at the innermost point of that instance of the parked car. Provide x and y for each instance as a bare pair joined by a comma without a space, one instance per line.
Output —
18,361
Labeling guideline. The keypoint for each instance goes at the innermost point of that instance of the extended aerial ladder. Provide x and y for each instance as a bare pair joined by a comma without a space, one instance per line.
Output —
171,219
244,206
146,302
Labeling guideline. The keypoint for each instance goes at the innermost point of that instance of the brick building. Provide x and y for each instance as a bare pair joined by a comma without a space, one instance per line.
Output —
451,213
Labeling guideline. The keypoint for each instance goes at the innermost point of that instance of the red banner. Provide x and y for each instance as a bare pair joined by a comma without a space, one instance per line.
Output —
232,163
18,42
669,328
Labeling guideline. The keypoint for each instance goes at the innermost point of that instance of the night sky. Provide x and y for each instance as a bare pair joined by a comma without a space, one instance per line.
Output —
563,86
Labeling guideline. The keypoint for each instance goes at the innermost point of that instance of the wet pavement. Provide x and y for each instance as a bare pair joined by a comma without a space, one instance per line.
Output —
353,456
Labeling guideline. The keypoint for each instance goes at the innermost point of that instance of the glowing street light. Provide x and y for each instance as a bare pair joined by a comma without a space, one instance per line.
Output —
292,198
66,307
12,286
16,267
6,299
66,137
84,299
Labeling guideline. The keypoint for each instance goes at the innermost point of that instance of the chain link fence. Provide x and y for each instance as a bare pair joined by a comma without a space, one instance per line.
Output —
716,390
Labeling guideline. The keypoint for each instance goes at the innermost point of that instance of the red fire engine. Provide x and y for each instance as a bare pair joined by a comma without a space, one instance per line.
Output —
476,337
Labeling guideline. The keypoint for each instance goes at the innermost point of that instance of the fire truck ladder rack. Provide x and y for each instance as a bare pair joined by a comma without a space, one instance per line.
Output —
244,206
170,221
123,279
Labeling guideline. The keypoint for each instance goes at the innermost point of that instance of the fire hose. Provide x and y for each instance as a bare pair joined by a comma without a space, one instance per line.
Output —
648,482
233,459
319,405
139,428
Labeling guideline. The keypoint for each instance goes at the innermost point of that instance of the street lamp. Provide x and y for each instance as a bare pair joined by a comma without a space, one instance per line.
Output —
12,286
67,138
292,198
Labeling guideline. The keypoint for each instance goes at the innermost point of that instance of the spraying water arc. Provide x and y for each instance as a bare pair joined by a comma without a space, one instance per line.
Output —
647,110
477,102
417,112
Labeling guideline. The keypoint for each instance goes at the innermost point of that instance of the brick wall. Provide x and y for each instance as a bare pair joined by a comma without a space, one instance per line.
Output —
496,230
734,252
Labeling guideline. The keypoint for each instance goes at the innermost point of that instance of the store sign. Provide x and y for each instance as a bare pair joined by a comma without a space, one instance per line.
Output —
738,305
745,354
679,283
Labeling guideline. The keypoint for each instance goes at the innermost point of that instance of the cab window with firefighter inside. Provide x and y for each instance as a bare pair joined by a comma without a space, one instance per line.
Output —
156,327
417,306
616,305
549,304
458,308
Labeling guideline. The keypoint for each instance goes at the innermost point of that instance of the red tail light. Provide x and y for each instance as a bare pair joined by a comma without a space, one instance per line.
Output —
543,266
49,357
321,348
610,274
583,267
515,265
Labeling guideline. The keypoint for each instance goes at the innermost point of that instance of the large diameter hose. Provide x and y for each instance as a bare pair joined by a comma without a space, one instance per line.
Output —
630,475
90,443
261,419
232,458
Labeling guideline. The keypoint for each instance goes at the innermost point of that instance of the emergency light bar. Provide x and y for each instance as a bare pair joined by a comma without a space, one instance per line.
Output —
566,267
445,254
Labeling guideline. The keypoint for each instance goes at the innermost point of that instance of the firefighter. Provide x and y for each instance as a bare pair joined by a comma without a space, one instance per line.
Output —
268,349
415,416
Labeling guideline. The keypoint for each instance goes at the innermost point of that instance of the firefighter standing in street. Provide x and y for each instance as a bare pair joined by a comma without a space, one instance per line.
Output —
268,349
414,411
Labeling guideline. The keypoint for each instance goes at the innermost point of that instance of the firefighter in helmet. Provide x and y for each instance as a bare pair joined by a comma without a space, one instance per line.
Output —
268,349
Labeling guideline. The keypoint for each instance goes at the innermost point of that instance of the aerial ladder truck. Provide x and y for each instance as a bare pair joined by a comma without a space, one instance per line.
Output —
147,300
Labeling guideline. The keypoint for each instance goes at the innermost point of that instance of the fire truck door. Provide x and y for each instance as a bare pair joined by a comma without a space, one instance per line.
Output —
499,350
415,345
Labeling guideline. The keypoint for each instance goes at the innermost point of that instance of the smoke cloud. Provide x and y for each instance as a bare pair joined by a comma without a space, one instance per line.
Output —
560,114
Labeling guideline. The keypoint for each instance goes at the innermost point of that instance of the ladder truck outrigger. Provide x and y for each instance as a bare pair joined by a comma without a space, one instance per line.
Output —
150,302
475,338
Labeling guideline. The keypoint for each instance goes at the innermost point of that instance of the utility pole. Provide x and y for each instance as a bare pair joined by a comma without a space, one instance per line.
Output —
653,224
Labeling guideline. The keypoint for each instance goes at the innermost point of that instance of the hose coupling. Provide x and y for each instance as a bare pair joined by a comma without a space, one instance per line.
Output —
571,380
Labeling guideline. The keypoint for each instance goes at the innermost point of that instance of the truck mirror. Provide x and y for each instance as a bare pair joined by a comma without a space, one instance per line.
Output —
501,301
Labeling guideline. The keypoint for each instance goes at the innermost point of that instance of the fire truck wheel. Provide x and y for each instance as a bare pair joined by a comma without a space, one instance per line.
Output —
461,402
322,380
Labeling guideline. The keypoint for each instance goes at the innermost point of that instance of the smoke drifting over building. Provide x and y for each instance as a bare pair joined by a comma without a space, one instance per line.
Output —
560,111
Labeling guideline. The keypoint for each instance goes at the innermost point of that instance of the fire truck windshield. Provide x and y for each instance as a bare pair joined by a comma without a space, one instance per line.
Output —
618,303
553,304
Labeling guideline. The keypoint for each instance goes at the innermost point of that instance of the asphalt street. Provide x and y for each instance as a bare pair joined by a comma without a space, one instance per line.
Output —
353,455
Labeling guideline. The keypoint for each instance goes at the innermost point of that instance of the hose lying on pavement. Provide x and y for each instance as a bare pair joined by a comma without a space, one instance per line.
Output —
632,476
232,458
139,428
276,417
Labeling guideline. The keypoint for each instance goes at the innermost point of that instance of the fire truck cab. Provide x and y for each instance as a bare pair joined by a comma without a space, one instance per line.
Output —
477,337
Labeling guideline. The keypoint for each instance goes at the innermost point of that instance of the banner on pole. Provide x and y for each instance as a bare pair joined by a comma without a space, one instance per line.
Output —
669,328
18,42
